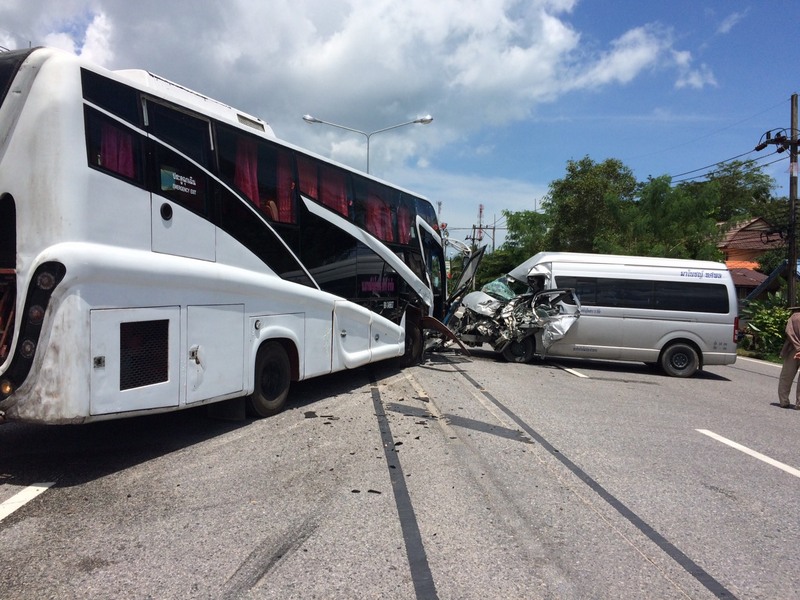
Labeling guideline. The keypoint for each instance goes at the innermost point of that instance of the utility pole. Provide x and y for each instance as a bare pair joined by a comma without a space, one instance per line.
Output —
782,142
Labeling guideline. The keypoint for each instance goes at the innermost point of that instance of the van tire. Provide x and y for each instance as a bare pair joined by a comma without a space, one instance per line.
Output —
520,351
273,375
680,360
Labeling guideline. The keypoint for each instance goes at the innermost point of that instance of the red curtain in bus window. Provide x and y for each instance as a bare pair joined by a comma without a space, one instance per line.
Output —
334,191
246,174
116,150
404,224
379,219
285,189
307,172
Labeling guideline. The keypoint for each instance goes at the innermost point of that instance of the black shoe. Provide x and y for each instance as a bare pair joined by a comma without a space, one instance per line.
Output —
786,406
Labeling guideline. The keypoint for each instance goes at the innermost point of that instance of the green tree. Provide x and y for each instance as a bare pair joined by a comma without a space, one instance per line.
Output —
771,260
581,207
744,190
526,233
669,221
525,236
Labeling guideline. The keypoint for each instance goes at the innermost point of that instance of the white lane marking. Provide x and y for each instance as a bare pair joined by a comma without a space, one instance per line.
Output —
21,498
573,372
753,453
759,361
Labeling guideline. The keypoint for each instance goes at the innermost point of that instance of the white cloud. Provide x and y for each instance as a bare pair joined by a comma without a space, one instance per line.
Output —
460,197
730,22
366,64
696,78
630,54
689,77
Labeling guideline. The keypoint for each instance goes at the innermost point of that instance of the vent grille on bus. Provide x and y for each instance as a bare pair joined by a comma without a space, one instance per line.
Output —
144,353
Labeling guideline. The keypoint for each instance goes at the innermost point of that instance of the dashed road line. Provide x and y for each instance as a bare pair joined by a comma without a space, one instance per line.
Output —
20,499
573,372
753,453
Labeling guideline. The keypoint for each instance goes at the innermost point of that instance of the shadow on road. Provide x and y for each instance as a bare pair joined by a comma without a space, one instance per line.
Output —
74,454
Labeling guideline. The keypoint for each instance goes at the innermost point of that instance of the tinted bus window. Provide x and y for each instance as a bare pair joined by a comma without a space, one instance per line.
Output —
113,148
239,220
324,183
375,209
115,97
186,133
178,179
9,65
261,171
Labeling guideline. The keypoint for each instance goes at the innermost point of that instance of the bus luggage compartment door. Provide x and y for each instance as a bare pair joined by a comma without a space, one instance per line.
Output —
215,351
351,331
134,353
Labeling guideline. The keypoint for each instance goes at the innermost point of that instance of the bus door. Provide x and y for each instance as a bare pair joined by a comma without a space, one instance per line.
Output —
181,203
434,266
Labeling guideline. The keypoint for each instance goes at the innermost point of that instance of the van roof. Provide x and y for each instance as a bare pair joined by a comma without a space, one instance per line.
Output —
520,272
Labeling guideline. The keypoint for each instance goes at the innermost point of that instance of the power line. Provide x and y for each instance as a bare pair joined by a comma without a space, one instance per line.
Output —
722,164
716,164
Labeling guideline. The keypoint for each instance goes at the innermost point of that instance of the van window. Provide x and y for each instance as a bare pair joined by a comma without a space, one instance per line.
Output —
681,296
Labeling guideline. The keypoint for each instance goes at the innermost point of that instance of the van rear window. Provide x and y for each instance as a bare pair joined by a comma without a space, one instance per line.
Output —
679,296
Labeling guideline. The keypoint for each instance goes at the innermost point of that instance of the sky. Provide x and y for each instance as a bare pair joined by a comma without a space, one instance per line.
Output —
516,88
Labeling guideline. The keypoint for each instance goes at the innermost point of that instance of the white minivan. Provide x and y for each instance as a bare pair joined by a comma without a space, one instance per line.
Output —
679,314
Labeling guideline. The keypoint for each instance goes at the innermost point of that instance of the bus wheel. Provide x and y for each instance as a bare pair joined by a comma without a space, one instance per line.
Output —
680,360
520,351
273,375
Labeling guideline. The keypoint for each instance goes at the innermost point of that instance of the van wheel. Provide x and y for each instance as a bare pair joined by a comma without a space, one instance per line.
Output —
273,375
520,351
680,360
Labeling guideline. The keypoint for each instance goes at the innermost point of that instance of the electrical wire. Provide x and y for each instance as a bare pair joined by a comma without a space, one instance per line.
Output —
716,164
718,170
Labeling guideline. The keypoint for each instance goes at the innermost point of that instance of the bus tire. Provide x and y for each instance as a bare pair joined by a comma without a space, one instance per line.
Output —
520,351
273,375
680,360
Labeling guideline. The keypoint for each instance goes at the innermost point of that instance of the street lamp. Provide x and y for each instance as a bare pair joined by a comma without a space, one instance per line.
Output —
422,120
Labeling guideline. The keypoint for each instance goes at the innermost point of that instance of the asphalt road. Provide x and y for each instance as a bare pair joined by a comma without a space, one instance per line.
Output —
458,478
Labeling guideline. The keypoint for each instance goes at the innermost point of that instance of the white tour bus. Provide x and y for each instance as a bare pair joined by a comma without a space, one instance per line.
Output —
161,250
679,314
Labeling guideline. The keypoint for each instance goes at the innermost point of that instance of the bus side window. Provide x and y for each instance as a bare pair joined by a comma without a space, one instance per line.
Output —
374,209
327,185
405,223
260,171
379,218
181,181
112,147
185,132
333,192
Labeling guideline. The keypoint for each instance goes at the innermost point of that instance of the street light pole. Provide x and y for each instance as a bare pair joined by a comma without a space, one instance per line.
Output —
422,120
